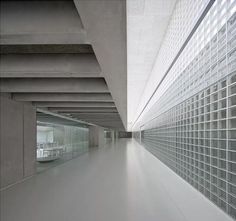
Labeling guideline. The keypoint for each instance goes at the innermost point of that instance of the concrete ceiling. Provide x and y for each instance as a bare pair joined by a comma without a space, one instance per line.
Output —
105,24
147,21
70,57
44,118
52,58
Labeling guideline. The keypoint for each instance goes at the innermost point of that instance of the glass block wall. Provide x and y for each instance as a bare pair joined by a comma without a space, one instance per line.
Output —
183,18
192,125
197,139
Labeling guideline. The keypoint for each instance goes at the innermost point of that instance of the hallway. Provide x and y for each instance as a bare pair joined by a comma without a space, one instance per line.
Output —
119,182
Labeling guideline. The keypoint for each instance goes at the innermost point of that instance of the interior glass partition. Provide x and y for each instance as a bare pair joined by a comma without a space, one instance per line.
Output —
59,143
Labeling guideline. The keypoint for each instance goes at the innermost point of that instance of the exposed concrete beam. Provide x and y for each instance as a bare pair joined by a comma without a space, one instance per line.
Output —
52,38
109,120
59,85
96,115
96,118
103,121
113,125
44,116
59,97
49,66
106,30
84,109
46,48
80,110
37,22
74,104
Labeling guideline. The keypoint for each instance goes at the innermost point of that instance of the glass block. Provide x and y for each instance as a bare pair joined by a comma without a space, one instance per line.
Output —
222,184
232,145
222,124
222,164
232,112
222,134
232,89
222,194
232,167
222,154
233,100
222,93
232,189
232,134
232,178
222,114
233,78
223,205
232,211
232,200
222,144
232,156
223,103
232,123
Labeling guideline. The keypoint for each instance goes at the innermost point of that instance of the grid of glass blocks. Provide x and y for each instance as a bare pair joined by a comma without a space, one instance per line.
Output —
215,61
196,137
182,20
201,63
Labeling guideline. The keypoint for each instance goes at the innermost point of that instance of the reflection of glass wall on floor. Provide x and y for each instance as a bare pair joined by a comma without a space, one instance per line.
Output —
59,143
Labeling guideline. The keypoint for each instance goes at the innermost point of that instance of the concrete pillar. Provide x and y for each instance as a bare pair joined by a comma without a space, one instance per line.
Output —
29,139
116,134
17,140
96,136
112,135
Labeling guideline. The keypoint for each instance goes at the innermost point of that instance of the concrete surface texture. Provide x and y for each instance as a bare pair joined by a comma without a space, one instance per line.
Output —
17,140
60,51
105,24
121,181
96,136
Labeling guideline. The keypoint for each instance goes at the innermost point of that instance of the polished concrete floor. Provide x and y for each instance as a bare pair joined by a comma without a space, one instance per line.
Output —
119,182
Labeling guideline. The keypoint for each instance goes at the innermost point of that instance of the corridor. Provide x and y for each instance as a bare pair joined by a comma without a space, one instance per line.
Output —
121,181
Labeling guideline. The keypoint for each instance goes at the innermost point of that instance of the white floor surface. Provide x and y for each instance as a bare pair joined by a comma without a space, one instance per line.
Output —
120,182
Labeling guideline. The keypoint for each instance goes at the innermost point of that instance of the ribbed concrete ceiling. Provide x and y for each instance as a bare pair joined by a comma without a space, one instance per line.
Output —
48,59
71,56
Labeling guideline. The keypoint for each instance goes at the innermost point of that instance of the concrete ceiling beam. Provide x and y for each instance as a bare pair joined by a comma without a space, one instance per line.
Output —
113,125
75,104
37,22
49,66
94,118
59,97
106,30
59,85
96,115
88,110
46,49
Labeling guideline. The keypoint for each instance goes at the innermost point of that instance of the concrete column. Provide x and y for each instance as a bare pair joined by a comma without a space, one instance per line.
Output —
29,139
112,135
96,136
17,140
116,134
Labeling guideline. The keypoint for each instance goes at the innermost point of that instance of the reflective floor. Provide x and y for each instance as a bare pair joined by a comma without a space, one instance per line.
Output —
120,182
